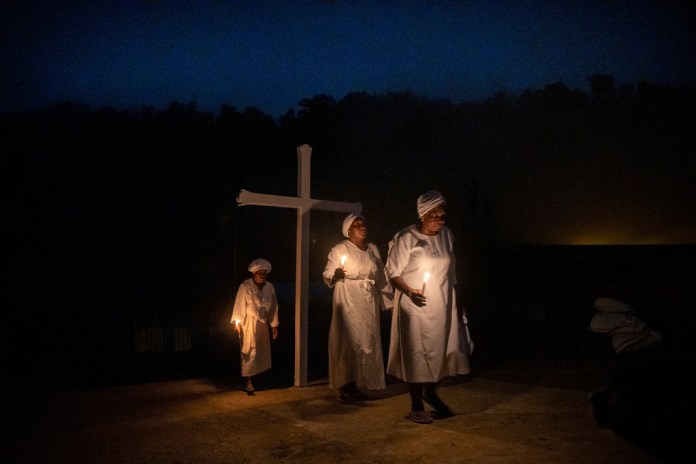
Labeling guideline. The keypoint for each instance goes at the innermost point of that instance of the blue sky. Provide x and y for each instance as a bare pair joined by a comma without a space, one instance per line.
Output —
271,54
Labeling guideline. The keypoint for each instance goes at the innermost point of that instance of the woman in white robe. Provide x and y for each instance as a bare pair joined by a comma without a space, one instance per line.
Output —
427,338
255,310
355,272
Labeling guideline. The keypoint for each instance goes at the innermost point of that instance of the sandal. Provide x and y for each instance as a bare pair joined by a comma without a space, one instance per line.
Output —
420,417
440,407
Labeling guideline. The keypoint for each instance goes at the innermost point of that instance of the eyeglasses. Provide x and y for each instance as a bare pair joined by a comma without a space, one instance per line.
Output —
437,216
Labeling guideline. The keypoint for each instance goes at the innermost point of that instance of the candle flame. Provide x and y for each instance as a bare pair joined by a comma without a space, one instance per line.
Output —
426,276
343,260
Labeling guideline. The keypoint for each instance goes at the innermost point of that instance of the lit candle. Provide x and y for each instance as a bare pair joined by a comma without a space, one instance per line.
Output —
343,260
426,276
236,323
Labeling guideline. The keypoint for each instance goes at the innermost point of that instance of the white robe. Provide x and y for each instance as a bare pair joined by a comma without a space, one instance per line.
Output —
255,310
426,343
355,346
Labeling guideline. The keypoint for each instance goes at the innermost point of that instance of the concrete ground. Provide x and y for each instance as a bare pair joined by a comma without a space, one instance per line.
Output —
520,412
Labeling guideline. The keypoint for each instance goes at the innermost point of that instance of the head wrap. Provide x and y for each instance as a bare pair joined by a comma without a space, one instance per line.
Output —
348,221
259,264
428,201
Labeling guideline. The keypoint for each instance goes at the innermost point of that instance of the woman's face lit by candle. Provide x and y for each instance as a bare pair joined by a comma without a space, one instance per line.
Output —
357,232
433,221
260,277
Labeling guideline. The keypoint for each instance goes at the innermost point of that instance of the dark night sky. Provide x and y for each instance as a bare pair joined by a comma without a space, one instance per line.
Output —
270,54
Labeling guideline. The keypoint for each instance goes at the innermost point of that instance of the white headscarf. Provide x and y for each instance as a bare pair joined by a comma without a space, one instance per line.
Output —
348,221
259,264
428,201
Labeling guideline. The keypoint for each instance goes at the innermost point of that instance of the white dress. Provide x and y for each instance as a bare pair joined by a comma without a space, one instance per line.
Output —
355,346
426,343
255,310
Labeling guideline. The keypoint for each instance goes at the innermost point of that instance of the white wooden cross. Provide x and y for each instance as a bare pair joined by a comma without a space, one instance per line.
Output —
303,203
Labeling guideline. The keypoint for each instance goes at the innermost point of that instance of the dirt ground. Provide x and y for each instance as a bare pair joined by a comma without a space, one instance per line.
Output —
525,402
500,419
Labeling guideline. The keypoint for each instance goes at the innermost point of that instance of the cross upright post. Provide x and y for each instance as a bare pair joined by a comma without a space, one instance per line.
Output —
303,203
